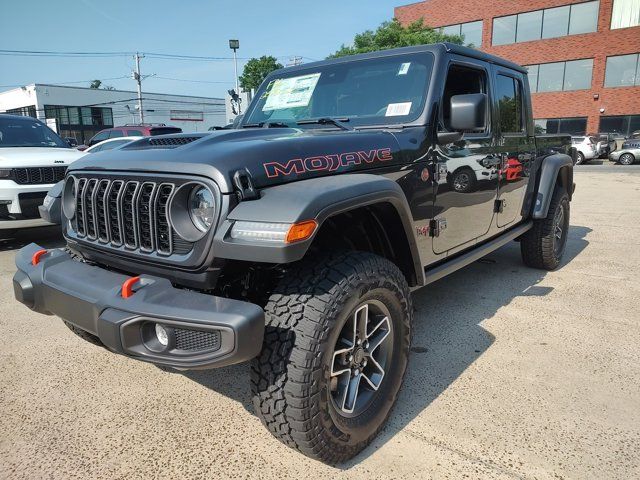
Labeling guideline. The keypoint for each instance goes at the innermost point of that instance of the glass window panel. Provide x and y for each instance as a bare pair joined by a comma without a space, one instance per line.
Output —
86,116
63,113
634,124
550,77
540,126
529,26
533,77
577,74
107,117
553,125
621,71
573,126
116,133
614,124
451,30
584,18
472,32
74,115
509,104
504,30
555,22
626,13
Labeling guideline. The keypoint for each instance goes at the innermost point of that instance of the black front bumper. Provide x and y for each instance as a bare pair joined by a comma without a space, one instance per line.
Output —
204,331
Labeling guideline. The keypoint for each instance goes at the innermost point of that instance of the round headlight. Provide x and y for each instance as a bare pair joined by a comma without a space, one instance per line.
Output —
202,208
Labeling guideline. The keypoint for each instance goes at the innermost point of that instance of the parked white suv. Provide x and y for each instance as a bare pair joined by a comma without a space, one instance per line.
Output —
32,159
587,148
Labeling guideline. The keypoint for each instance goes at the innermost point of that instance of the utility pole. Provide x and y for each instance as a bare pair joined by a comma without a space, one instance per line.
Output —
138,78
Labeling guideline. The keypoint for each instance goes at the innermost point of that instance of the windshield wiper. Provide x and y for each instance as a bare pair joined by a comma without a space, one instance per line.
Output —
266,125
338,122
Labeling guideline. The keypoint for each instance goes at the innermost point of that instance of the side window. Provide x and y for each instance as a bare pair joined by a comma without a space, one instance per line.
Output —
134,133
116,134
461,80
99,137
509,95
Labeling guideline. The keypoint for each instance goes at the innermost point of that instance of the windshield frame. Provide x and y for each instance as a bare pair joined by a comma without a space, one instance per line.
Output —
25,119
419,119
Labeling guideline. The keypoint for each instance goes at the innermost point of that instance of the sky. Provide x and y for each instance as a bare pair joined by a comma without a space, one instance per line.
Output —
282,28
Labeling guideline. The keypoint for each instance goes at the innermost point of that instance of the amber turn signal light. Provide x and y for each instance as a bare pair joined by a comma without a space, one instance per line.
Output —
301,231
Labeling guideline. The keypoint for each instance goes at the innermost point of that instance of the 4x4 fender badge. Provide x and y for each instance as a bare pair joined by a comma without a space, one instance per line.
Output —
326,162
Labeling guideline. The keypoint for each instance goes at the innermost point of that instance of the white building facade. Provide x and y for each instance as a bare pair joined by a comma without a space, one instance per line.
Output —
80,113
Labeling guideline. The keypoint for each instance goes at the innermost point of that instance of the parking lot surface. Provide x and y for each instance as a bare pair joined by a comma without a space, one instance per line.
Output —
515,373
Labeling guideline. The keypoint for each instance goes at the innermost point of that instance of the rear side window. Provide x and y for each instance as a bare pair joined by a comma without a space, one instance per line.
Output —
165,130
99,137
134,133
509,95
116,134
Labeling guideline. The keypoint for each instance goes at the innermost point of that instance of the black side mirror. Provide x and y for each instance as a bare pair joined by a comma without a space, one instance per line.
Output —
469,112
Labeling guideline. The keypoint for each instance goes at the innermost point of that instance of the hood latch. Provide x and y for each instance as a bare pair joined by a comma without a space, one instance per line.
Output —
244,185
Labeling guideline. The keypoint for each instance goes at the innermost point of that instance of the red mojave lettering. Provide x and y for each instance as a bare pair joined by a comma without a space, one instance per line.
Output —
329,163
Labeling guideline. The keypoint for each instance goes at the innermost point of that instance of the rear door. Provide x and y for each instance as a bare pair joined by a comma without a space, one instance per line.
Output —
515,143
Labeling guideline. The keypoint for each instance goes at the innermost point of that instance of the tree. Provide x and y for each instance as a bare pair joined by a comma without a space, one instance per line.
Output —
256,70
392,35
95,84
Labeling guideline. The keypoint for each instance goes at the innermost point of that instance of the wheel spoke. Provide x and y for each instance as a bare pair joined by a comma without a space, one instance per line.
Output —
378,334
344,366
351,394
360,319
374,374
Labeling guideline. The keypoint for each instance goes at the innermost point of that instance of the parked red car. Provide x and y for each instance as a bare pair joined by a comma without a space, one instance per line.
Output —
131,130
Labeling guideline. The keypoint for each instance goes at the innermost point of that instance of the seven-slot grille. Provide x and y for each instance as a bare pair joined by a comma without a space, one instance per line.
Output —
38,175
125,213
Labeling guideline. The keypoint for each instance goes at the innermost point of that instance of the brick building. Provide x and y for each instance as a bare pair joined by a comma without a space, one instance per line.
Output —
583,56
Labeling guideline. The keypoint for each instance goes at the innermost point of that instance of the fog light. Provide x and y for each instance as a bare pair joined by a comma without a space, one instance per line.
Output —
162,335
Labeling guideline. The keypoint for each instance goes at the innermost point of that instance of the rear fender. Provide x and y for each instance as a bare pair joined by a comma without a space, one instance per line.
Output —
554,168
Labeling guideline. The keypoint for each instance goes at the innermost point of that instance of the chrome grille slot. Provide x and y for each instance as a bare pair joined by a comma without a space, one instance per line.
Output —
101,212
129,214
82,183
89,211
144,207
113,214
164,235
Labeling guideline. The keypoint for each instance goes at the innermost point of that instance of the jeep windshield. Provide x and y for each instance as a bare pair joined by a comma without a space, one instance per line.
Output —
28,132
379,91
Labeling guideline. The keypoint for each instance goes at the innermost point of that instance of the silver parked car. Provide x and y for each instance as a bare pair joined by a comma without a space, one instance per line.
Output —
586,147
628,154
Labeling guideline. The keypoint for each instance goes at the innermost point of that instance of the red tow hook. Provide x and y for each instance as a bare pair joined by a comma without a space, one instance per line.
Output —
127,287
35,259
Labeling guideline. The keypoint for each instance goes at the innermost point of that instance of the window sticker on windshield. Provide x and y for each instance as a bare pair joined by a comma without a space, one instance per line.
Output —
404,68
397,109
291,92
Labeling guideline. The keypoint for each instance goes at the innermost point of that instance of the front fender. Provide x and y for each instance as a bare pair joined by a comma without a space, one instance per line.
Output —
554,166
319,199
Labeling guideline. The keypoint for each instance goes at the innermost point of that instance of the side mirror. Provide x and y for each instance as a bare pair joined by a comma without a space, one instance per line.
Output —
469,112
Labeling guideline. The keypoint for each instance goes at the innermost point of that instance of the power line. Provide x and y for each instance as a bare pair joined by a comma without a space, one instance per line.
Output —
190,81
69,83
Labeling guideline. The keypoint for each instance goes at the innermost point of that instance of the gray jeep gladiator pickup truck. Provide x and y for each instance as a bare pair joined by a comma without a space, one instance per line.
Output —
294,240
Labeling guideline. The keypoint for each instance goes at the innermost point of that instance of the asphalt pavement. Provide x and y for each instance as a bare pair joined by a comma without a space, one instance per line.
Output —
514,373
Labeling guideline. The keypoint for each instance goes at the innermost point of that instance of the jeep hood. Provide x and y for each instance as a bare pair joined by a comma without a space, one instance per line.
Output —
19,157
271,155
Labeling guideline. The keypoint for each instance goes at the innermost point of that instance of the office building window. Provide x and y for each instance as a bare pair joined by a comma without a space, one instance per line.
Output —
471,31
571,126
561,76
626,13
622,71
548,23
29,111
622,124
80,123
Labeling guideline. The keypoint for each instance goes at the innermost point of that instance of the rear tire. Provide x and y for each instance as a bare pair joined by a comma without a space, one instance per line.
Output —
301,380
626,159
544,244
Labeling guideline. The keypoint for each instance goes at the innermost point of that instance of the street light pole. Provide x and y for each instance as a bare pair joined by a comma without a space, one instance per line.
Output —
235,45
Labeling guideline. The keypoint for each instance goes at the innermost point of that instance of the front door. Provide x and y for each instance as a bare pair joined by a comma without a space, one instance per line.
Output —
466,171
515,145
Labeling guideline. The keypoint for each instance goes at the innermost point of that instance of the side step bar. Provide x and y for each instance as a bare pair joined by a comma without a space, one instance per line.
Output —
476,253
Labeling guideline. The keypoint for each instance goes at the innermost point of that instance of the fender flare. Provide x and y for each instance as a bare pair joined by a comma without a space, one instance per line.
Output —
554,166
318,199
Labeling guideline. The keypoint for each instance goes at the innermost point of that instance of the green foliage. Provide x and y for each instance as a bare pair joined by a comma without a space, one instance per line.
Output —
256,70
392,35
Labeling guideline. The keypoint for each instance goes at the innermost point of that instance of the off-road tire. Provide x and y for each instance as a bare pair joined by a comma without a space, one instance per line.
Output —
580,158
304,316
537,245
89,337
626,159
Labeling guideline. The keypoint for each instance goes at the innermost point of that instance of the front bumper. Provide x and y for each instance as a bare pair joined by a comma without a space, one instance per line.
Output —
204,331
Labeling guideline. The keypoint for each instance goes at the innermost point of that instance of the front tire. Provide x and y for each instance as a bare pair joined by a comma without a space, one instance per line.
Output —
329,322
580,158
463,180
626,159
544,244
